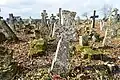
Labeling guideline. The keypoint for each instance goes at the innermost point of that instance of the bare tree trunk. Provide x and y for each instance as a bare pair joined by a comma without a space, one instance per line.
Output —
8,30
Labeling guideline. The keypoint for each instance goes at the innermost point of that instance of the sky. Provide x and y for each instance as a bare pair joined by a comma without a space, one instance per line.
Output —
33,8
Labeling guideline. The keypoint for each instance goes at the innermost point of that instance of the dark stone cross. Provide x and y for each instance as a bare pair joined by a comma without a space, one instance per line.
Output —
93,17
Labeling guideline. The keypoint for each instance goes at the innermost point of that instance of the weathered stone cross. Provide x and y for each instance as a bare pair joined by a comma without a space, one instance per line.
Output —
93,17
44,18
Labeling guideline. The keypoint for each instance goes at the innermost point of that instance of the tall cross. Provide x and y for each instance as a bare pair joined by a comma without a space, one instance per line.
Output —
93,17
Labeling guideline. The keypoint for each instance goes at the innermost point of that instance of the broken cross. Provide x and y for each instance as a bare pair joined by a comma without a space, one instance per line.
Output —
93,17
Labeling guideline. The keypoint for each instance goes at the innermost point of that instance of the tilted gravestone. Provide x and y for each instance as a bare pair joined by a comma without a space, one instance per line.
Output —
60,62
66,33
8,30
68,27
11,22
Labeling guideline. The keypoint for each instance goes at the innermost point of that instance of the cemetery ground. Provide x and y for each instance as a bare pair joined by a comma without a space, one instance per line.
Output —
49,49
101,67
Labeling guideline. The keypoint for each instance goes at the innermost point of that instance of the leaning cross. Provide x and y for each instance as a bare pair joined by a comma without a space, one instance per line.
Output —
93,17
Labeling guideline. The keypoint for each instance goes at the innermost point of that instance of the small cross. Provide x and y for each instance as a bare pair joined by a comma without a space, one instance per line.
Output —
52,16
93,17
44,13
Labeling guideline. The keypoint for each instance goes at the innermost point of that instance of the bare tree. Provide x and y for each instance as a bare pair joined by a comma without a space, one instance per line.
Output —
85,15
106,10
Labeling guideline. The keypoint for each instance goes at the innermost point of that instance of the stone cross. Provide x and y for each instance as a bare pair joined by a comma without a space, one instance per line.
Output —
116,11
12,22
93,18
44,18
116,15
60,16
52,18
52,21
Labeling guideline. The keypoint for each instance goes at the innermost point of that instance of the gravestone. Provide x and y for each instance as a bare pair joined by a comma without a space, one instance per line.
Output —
53,31
93,19
65,33
116,16
68,27
60,61
95,36
8,30
60,16
83,40
44,18
11,22
78,20
52,23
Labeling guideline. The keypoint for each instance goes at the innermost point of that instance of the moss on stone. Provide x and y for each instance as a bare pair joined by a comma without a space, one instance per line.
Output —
37,46
88,53
79,48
